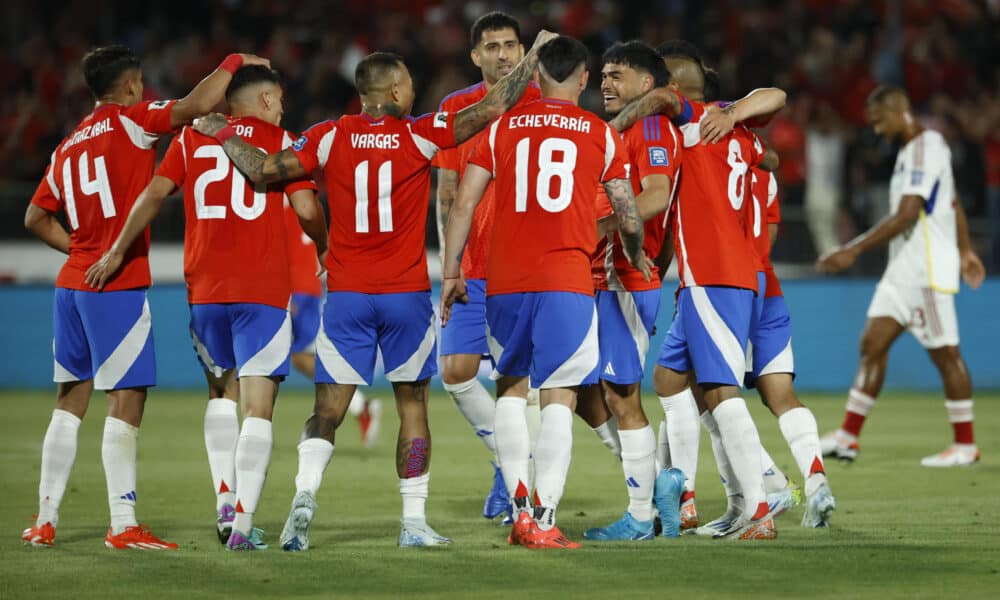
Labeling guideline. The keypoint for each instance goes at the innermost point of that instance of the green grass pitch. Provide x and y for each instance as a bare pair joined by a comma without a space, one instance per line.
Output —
899,530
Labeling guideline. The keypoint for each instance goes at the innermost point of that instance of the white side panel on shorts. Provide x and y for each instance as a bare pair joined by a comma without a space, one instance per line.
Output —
269,358
626,302
121,360
410,370
580,364
62,374
334,363
720,333
784,362
206,359
496,351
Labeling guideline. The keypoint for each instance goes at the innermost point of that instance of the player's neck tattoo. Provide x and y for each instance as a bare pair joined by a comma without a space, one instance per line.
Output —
382,109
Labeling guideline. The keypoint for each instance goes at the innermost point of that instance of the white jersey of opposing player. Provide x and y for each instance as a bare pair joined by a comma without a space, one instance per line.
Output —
926,255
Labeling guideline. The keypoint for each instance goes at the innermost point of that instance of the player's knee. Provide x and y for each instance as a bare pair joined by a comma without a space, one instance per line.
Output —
946,357
873,348
458,369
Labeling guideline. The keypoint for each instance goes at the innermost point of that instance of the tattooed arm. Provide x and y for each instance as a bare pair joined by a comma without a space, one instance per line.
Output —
503,95
252,162
629,224
447,188
657,101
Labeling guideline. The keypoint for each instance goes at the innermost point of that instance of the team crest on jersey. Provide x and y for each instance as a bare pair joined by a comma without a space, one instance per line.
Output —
916,177
441,119
658,157
300,143
158,104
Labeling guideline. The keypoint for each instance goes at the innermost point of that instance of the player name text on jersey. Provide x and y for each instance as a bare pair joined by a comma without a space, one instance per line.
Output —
89,132
562,122
379,141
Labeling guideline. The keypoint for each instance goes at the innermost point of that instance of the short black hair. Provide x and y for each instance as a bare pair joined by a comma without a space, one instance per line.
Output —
250,75
884,92
682,48
493,21
640,57
373,68
102,67
713,86
561,56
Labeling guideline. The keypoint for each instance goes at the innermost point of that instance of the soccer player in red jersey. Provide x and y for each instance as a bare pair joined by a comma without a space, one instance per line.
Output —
237,270
626,302
104,341
496,48
547,158
377,170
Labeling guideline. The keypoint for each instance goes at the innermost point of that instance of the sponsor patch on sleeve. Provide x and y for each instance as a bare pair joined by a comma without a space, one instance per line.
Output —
300,143
658,157
441,119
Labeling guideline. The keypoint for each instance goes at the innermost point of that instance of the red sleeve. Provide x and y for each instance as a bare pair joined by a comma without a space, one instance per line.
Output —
447,158
47,196
437,128
313,147
618,166
298,185
603,204
154,117
756,148
174,165
652,147
483,154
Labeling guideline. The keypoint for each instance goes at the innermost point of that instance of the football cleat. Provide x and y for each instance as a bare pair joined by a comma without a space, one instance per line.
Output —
627,528
758,527
295,534
497,501
788,497
522,527
137,537
537,539
416,533
818,507
370,422
246,543
689,513
956,455
721,524
224,524
667,492
40,536
835,445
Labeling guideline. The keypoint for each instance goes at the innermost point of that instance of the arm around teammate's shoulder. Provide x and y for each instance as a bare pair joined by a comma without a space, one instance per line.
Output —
254,164
211,90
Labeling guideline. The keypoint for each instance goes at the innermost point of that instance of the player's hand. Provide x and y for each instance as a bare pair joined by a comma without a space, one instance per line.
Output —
973,271
543,37
101,271
837,260
253,59
644,266
322,262
452,291
715,125
210,124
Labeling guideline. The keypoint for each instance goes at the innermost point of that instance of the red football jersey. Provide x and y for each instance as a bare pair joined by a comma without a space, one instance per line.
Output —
377,246
713,217
95,175
302,259
766,212
477,248
235,247
653,148
547,158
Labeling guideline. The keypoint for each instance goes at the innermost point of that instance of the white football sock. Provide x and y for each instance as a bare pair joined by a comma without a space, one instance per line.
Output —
533,415
314,456
118,452
726,474
799,428
253,455
513,443
775,479
58,456
683,435
638,464
662,448
607,432
552,456
222,430
742,444
414,493
477,406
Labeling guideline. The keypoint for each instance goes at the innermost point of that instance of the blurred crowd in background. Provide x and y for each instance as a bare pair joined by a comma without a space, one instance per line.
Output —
827,54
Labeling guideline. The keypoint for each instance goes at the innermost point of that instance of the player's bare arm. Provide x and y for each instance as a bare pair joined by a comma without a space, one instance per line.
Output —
447,188
211,90
252,162
973,271
629,224
472,119
883,231
470,193
47,228
772,233
756,109
651,201
770,161
145,209
313,221
665,257
656,101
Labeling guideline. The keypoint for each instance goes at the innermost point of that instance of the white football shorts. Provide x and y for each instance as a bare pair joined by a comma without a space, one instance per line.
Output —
928,314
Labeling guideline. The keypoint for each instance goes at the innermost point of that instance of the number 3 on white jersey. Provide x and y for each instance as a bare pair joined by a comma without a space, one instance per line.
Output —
548,168
237,194
98,185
